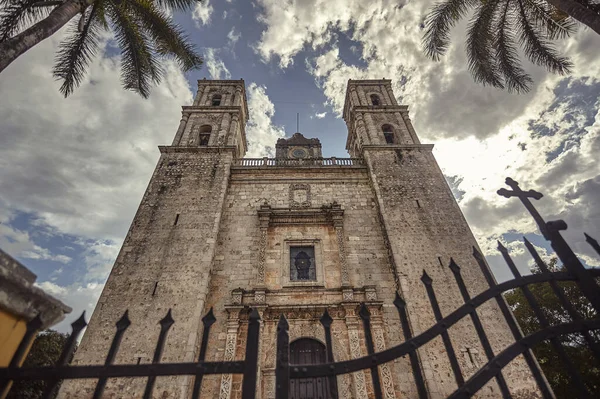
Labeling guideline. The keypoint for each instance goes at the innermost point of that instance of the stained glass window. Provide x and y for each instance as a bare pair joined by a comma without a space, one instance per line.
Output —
302,264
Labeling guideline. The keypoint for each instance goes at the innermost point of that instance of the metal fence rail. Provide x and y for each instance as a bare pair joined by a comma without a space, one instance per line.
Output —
586,280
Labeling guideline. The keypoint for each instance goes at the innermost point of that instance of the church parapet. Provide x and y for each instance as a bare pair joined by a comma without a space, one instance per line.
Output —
290,162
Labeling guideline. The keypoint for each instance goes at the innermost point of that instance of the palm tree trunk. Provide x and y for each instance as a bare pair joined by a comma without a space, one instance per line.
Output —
12,48
579,12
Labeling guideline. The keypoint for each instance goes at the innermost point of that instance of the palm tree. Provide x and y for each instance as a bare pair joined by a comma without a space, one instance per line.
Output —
143,30
499,26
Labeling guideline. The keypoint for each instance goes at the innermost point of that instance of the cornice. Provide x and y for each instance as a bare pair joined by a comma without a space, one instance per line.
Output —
170,149
384,147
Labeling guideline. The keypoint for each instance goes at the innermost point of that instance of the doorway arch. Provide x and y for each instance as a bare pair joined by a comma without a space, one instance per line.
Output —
308,351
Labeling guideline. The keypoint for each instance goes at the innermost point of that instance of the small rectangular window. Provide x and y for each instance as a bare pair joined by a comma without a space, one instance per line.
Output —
440,260
302,264
418,203
176,220
204,138
155,288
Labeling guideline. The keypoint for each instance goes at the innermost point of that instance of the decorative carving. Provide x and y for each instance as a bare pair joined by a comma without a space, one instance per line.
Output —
236,296
299,195
355,351
347,294
230,344
384,369
370,293
260,296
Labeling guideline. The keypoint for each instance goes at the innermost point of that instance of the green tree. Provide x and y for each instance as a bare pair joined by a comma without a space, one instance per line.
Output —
143,30
45,351
574,344
499,27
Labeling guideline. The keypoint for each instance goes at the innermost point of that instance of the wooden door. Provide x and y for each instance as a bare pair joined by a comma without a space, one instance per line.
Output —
308,351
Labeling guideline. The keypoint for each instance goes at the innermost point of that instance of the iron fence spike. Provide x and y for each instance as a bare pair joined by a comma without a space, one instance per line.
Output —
364,312
209,319
167,321
454,267
80,323
593,242
426,279
326,319
283,323
254,315
123,322
399,302
501,247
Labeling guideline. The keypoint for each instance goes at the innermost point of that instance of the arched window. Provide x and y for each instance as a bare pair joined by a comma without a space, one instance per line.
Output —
216,100
204,137
375,99
388,134
309,351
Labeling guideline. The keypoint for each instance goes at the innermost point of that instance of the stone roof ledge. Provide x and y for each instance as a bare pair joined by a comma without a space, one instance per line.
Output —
20,297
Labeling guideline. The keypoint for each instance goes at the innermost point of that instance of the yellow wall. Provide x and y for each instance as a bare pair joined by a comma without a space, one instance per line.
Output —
12,329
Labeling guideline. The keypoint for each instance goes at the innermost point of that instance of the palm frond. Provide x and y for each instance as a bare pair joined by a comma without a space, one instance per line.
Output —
177,5
515,78
480,45
555,23
17,15
169,38
537,48
76,51
442,17
139,68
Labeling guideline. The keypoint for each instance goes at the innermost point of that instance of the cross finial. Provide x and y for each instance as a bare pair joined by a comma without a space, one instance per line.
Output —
524,196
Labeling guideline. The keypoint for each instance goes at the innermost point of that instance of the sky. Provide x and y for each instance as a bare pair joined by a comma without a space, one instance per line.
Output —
73,171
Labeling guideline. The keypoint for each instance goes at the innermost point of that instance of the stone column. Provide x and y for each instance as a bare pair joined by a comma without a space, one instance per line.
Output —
377,326
182,124
386,95
231,132
410,127
354,95
233,325
337,215
237,100
221,136
201,90
391,94
362,131
264,214
374,138
353,324
204,97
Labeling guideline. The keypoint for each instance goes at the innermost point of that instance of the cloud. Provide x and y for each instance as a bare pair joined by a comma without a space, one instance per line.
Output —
545,139
320,115
79,297
215,65
79,166
233,37
202,13
260,130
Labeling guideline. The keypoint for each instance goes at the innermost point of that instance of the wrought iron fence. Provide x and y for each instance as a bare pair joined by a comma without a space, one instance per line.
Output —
586,280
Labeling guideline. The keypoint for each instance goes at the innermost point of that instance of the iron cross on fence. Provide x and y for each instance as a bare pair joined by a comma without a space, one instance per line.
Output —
551,232
524,197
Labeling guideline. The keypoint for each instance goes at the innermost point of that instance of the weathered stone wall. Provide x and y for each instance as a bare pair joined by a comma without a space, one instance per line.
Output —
238,255
163,265
426,228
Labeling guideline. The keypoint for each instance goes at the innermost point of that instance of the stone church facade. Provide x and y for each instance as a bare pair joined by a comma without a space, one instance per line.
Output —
293,235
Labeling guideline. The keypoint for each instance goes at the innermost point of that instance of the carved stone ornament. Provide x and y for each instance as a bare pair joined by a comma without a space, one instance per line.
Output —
299,195
370,293
260,296
236,296
347,294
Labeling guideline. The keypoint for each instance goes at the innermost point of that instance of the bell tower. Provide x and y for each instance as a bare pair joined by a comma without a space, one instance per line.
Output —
167,255
374,117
